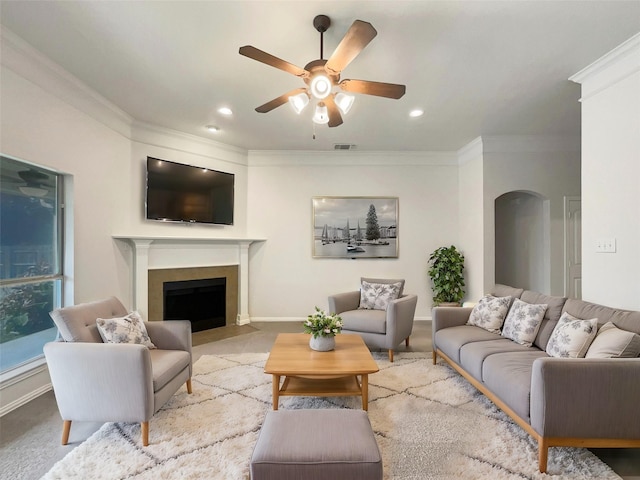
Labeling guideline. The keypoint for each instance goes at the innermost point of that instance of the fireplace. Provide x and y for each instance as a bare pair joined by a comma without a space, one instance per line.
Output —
202,302
209,288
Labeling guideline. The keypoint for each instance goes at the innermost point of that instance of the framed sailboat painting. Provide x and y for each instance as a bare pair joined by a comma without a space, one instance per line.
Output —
355,227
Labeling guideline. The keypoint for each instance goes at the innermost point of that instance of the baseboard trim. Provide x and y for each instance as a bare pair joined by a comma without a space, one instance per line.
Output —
25,399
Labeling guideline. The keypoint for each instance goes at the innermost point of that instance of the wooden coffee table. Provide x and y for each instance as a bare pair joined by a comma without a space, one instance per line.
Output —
320,374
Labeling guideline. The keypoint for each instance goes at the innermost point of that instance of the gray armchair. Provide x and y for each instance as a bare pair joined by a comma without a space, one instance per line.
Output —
115,382
378,328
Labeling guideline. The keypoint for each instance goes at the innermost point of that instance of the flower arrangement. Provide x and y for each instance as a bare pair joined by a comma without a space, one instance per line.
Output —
323,325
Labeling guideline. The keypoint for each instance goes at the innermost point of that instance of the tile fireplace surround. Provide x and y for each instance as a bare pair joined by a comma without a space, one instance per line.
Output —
156,259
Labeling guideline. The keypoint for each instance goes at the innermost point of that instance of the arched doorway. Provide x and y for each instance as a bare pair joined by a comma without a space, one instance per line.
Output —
522,241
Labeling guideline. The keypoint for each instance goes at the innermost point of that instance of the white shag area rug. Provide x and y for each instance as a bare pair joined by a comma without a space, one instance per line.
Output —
428,421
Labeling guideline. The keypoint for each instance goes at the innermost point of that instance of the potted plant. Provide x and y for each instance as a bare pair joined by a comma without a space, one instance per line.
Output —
323,328
446,265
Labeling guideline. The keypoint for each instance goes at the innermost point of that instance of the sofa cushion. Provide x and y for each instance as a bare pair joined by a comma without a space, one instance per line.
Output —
489,313
371,321
127,329
613,342
500,290
77,323
523,321
450,340
624,319
166,364
508,376
572,336
551,315
385,280
473,355
376,296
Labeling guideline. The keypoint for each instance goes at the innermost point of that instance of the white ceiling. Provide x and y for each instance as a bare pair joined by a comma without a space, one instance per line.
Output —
475,67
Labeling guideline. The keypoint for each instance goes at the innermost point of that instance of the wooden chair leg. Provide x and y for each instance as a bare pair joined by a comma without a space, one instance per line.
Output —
406,342
189,390
144,429
391,355
66,428
543,454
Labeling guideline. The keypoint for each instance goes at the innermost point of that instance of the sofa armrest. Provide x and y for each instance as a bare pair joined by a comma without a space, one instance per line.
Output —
586,398
344,302
400,314
101,382
445,317
170,334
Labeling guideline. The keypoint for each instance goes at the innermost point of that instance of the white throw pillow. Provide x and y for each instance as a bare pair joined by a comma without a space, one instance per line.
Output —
489,313
612,342
523,321
376,296
127,329
571,337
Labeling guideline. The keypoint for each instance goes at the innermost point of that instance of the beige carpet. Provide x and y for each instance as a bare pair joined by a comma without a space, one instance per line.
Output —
428,421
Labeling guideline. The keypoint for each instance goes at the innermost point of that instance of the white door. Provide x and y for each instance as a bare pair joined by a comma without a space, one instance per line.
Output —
573,247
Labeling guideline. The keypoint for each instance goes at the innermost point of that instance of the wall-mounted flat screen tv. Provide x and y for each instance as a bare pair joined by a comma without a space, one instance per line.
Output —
184,193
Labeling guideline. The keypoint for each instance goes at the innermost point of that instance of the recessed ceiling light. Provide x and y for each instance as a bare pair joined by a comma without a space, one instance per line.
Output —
225,111
213,128
416,113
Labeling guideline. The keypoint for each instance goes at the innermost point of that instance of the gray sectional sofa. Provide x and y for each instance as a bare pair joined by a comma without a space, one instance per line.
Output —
579,402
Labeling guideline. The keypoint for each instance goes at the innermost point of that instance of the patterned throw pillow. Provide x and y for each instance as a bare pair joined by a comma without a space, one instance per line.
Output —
523,321
376,296
613,342
128,329
489,313
571,337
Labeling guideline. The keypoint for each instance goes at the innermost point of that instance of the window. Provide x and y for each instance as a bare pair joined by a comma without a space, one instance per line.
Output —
30,260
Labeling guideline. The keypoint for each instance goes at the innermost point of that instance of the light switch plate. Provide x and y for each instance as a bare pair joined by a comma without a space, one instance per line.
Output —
606,245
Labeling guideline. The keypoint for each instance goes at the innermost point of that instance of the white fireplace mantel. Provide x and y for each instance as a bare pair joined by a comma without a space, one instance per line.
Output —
150,252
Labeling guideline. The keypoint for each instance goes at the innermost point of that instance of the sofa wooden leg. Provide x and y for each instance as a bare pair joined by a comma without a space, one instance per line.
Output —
435,357
189,390
406,342
391,355
543,454
144,429
66,428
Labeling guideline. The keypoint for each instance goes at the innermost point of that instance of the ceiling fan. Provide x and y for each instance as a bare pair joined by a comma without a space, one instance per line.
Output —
321,76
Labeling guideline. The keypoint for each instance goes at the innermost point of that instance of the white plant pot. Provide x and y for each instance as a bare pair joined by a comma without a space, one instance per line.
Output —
322,344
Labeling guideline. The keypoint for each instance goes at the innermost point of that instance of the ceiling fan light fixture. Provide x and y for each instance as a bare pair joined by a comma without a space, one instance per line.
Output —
299,101
344,102
321,116
33,191
320,86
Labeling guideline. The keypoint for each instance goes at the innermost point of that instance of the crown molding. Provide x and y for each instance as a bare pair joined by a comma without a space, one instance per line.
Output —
163,137
268,158
613,67
27,62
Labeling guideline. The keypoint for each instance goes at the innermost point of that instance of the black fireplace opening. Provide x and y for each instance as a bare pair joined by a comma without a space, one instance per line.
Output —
203,302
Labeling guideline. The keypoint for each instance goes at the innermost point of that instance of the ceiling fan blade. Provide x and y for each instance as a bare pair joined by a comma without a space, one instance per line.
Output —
335,118
281,100
264,57
379,89
357,37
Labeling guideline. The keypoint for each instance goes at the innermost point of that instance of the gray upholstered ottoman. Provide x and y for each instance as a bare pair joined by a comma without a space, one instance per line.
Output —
323,444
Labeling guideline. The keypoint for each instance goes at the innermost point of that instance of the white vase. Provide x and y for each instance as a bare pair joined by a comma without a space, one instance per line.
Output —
322,344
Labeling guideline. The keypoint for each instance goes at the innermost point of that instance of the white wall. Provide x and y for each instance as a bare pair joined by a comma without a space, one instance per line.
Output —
285,280
611,176
548,166
470,218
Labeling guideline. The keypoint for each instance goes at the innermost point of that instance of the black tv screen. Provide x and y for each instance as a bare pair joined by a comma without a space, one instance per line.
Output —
183,193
